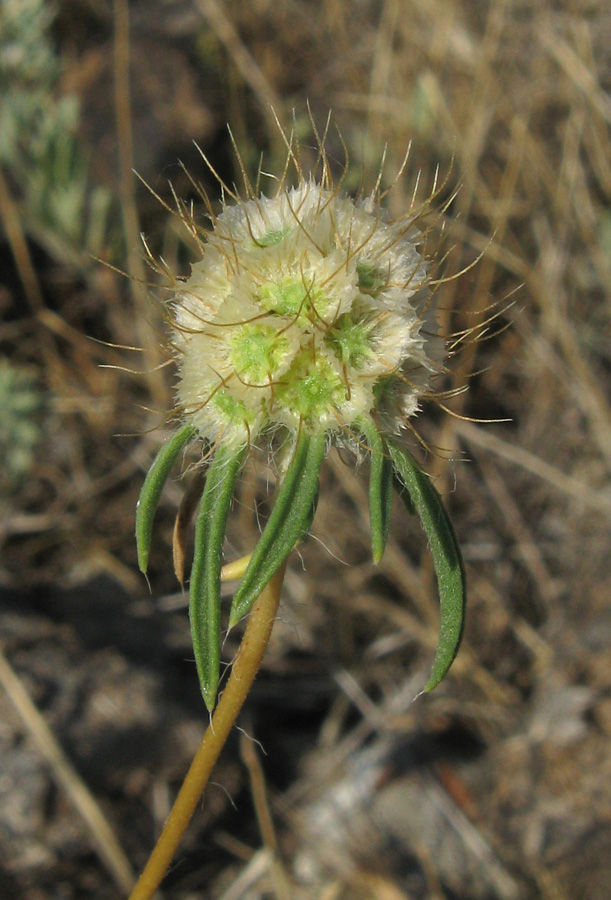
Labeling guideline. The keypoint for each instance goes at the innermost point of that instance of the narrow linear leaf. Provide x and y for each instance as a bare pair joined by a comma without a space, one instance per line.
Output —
447,558
380,490
151,491
289,520
205,585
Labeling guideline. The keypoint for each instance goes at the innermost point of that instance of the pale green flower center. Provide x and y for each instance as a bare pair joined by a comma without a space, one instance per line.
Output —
350,341
311,386
231,409
294,298
257,351
271,238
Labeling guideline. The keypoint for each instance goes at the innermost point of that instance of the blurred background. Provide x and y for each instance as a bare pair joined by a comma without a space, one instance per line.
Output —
496,786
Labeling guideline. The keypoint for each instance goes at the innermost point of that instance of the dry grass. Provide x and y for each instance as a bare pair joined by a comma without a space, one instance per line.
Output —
496,785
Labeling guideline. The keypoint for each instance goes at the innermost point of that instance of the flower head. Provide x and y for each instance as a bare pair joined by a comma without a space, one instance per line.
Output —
304,312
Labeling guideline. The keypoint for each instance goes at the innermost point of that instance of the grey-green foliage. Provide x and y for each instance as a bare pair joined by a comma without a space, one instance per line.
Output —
39,142
20,405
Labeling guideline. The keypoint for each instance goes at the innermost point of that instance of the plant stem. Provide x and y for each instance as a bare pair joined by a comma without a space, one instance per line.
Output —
243,673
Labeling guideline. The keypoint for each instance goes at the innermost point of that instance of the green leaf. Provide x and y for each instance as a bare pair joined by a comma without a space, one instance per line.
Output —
205,584
415,486
289,520
380,489
151,491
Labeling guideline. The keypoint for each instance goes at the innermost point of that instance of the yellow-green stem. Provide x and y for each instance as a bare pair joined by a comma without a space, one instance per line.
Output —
243,673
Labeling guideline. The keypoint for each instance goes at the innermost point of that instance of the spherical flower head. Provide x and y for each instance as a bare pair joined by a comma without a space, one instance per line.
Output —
304,312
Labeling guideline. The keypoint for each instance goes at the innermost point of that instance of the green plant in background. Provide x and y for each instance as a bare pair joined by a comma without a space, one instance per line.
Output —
39,143
302,326
20,433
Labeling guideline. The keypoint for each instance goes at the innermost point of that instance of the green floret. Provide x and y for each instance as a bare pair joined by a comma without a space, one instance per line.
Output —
232,409
371,278
271,238
310,387
257,351
350,341
294,298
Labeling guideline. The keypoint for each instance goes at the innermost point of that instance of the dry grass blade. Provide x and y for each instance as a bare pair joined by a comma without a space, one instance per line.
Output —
19,246
248,750
243,59
131,225
103,837
567,484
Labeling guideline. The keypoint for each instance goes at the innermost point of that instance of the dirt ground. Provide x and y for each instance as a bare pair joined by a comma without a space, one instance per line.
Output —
496,785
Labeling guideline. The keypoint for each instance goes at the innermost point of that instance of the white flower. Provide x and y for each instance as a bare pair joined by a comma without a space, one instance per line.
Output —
301,313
